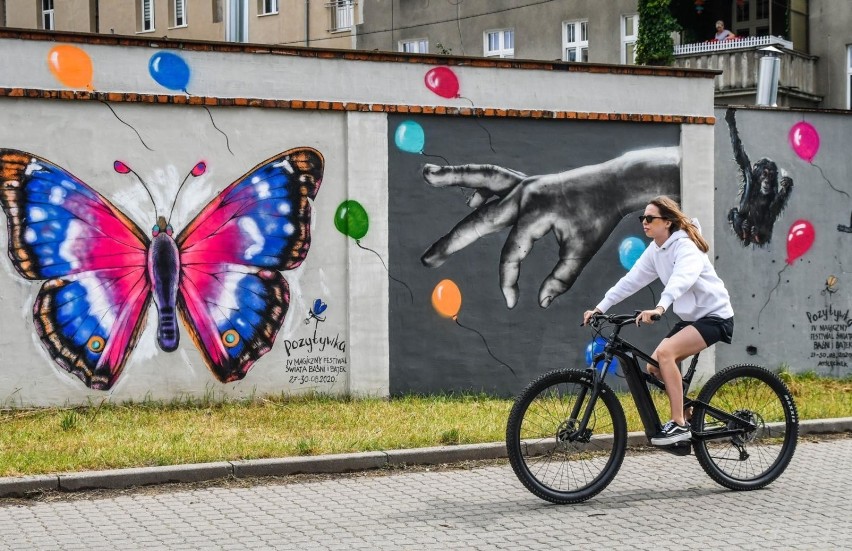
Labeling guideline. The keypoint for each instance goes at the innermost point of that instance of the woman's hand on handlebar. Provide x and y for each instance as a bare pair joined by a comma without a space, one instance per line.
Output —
649,316
587,315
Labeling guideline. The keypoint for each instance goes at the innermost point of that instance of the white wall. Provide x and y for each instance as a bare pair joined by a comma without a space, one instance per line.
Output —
85,138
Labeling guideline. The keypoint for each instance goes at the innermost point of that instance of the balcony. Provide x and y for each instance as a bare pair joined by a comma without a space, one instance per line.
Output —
739,61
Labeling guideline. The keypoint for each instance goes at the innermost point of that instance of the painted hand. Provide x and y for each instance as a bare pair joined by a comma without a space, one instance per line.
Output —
581,207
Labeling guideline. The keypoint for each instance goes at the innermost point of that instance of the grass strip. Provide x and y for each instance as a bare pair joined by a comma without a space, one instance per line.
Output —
109,436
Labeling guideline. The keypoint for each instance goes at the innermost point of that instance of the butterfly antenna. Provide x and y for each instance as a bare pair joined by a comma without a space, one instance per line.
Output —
122,168
196,171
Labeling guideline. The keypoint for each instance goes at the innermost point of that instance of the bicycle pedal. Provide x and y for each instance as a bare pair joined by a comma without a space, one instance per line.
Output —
678,448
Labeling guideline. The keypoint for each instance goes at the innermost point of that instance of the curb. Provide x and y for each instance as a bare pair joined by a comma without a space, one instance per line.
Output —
321,464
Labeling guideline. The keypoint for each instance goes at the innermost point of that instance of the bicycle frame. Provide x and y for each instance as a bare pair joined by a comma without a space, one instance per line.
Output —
637,383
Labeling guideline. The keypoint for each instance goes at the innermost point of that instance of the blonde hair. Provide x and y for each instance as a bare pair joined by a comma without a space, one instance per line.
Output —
670,210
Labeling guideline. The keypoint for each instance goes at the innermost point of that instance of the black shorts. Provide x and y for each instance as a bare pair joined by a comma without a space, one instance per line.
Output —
711,328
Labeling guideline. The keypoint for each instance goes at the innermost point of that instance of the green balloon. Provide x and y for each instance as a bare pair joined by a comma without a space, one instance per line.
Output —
351,219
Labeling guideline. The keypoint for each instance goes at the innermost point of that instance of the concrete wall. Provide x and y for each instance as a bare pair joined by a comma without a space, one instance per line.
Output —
112,104
791,291
830,36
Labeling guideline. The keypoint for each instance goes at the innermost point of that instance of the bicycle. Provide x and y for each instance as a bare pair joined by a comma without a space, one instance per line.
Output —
566,436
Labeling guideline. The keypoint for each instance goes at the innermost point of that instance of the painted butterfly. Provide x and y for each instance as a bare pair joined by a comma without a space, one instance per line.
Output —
221,273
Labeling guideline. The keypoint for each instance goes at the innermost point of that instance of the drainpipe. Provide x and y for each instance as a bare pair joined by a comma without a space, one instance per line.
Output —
307,23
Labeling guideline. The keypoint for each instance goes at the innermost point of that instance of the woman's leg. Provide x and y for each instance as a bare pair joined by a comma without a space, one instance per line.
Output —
686,342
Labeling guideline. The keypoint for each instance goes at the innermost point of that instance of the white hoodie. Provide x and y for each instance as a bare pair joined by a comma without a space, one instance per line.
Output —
691,283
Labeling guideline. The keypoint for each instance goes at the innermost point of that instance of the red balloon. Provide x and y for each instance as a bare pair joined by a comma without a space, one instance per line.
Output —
799,239
443,82
804,139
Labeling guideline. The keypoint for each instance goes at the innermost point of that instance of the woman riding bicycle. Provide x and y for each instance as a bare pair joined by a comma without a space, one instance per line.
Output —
679,259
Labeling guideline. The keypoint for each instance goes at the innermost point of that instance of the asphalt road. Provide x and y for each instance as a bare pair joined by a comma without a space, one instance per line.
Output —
657,501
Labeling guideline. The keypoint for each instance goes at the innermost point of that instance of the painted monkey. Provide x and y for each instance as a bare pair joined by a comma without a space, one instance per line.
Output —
762,195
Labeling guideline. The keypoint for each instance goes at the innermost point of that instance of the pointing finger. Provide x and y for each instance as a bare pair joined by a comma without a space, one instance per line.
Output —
488,177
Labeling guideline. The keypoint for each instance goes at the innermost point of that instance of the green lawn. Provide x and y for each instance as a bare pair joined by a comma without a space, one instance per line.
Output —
133,435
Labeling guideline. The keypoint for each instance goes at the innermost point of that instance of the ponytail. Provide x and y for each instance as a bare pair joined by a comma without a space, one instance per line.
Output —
670,210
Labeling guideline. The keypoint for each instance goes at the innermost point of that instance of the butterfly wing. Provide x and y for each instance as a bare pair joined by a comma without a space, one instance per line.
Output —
232,297
90,311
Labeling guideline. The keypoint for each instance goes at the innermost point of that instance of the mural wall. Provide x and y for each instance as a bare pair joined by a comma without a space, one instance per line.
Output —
181,264
505,231
190,219
783,237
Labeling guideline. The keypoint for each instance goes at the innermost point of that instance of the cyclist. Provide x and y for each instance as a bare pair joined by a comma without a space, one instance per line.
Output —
678,256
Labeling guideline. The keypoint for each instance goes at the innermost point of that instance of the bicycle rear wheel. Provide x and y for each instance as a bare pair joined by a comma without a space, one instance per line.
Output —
548,456
747,460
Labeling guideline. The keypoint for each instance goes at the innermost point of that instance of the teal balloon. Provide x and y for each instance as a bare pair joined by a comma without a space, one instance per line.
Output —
351,219
410,137
629,251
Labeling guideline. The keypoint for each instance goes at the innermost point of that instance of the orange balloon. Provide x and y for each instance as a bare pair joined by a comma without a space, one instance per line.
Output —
71,66
446,298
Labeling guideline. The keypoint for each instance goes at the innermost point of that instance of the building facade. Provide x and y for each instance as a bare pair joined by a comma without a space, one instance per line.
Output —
326,24
577,30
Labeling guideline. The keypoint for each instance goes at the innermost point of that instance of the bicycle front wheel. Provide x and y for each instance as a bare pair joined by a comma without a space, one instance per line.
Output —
550,456
746,459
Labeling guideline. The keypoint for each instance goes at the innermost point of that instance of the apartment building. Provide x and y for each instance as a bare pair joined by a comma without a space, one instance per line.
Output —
326,24
813,38
569,30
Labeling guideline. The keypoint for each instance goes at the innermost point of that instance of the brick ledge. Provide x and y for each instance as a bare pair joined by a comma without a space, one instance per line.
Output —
318,105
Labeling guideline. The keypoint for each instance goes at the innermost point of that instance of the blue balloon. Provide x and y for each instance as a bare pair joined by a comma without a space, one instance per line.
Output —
169,70
596,347
629,251
409,137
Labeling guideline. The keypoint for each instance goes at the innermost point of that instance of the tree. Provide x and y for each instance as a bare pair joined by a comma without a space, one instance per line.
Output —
654,45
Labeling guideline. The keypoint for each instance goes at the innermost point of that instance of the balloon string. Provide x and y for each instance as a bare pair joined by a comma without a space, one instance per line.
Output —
476,120
437,156
770,294
125,123
227,141
410,294
828,182
456,319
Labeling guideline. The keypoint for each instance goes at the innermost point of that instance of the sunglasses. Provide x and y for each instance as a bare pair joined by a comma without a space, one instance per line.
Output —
648,218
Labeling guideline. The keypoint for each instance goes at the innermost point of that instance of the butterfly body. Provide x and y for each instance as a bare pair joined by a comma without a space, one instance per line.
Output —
220,275
164,274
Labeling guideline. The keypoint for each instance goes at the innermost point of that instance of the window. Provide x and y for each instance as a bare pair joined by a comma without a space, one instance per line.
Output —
575,41
416,46
47,22
629,31
146,16
236,29
751,17
849,77
500,43
341,14
177,17
267,7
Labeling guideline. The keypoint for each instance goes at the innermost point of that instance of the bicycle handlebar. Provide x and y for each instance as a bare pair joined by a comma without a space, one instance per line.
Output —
617,319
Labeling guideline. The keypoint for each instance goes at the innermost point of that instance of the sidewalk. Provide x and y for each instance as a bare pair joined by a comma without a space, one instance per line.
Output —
341,463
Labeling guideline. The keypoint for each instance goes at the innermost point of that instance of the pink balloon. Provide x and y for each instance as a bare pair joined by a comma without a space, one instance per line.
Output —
799,239
443,82
805,140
